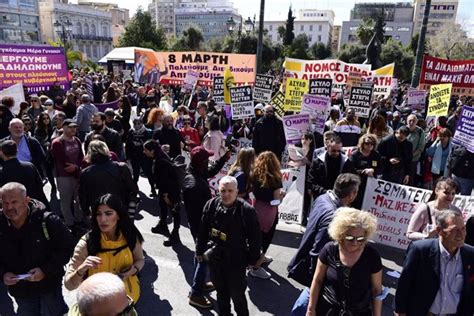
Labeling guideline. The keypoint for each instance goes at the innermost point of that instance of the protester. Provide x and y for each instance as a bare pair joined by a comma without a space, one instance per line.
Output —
214,139
268,134
35,246
378,126
438,154
461,164
326,167
422,222
328,137
229,239
348,128
102,294
43,133
83,117
453,119
36,108
190,134
58,120
169,136
243,170
417,139
267,188
333,119
111,137
200,124
435,276
351,264
155,119
6,115
303,264
396,152
113,121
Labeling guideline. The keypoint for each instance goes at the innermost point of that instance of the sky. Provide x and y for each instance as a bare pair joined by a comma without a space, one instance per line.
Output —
278,9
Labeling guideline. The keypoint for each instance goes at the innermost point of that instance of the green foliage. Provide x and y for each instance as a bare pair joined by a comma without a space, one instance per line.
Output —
394,51
190,40
352,53
72,56
320,51
92,65
289,28
142,32
299,48
281,32
451,42
365,31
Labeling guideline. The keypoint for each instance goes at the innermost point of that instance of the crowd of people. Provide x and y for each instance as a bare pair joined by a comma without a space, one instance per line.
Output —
93,158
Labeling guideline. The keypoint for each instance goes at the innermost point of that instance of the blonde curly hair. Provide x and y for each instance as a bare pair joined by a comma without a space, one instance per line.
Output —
346,218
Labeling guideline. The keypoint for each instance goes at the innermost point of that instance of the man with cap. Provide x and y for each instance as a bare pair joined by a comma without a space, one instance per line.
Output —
196,192
268,133
66,150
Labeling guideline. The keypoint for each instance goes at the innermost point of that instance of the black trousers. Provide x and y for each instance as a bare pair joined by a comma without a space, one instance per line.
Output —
175,212
146,165
230,282
268,237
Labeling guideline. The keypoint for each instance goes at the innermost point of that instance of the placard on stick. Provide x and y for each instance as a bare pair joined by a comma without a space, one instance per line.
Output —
262,91
320,86
241,102
360,100
218,90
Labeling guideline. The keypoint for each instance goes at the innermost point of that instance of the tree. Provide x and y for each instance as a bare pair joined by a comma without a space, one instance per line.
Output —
451,42
365,31
289,28
141,31
320,51
73,57
299,48
190,40
394,51
352,53
281,32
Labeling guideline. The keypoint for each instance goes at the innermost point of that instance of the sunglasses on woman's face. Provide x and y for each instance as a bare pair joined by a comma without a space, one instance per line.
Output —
368,144
187,122
352,238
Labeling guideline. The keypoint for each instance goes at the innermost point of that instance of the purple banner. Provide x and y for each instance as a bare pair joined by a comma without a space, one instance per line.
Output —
464,134
103,106
37,67
295,126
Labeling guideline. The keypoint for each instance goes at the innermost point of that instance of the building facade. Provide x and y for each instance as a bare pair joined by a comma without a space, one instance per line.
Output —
316,24
336,35
91,28
398,21
20,22
162,13
441,12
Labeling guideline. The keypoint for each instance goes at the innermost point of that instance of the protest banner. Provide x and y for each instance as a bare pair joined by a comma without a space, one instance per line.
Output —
416,99
294,92
320,86
241,102
460,73
393,204
291,208
16,92
229,82
464,134
190,79
262,91
103,106
318,109
353,79
89,83
295,126
360,100
36,67
440,95
382,85
173,66
278,102
218,90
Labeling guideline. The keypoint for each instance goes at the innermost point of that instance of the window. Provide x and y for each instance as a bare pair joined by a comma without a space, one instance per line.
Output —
79,28
10,19
403,29
319,38
104,30
27,3
95,52
320,28
88,50
29,21
301,28
93,33
86,29
310,38
12,35
311,28
388,28
30,36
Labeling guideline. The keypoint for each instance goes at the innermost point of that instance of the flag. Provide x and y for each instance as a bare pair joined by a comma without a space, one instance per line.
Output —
229,82
386,70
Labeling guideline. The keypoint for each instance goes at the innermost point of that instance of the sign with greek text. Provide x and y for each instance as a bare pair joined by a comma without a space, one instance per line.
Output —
241,102
295,126
218,90
262,91
464,134
295,90
318,109
460,73
440,95
321,86
416,99
360,100
191,79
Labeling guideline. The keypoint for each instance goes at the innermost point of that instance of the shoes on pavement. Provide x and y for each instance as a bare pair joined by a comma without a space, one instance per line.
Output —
260,273
199,301
173,239
267,260
161,229
208,287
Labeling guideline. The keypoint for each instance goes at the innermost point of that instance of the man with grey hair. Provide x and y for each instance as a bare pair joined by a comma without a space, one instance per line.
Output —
438,274
229,239
302,266
102,294
84,115
417,140
35,247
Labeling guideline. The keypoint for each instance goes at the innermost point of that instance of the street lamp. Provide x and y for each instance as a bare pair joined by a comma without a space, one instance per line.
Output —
230,25
249,26
63,28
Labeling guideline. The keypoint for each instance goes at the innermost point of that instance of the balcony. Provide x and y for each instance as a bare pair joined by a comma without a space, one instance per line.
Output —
92,37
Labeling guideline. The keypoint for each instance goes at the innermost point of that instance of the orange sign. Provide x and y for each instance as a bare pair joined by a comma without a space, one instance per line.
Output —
171,67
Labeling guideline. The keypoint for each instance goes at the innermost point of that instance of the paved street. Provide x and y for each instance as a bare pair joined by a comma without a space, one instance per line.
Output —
167,275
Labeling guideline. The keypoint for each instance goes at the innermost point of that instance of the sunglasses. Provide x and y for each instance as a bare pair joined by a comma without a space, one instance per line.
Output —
368,143
352,238
187,122
269,112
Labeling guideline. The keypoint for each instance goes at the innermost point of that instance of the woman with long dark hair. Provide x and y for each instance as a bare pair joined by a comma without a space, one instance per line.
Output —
43,133
166,182
125,111
214,139
112,245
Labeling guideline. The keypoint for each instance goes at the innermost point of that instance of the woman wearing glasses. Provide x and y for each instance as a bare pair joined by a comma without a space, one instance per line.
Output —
348,277
112,245
367,163
190,134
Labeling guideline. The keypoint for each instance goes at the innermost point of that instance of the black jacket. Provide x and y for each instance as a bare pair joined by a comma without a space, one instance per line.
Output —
5,117
196,192
268,134
171,137
166,179
106,177
420,279
239,224
134,143
388,148
38,157
33,246
26,174
112,139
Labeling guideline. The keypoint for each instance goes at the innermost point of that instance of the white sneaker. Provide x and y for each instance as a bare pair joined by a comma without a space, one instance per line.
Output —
267,260
260,273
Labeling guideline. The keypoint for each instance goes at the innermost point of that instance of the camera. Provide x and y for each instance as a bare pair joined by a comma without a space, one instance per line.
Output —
214,253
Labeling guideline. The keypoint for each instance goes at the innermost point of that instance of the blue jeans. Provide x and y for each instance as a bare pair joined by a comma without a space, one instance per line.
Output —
200,273
47,304
301,305
466,185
